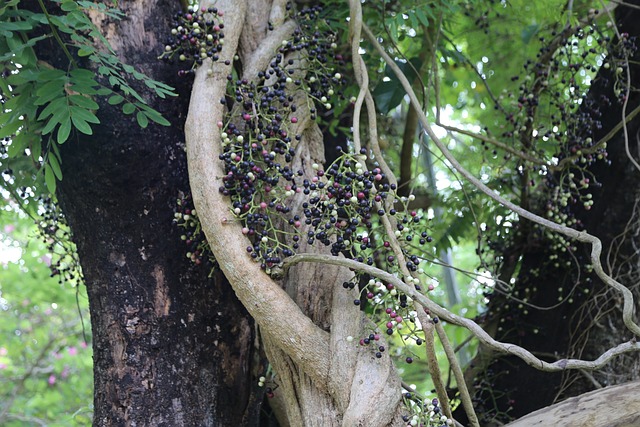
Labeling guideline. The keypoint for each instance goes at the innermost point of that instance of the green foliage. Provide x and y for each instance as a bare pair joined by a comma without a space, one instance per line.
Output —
484,68
389,93
43,106
45,363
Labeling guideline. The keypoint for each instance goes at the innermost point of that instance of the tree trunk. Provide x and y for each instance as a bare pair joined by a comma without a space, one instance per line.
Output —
171,346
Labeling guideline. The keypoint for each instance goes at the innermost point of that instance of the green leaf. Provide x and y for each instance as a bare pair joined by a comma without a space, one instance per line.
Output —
58,117
47,75
84,114
61,24
6,118
161,89
49,91
86,51
84,102
63,131
18,145
83,74
50,180
17,48
156,116
528,33
115,100
142,119
69,5
15,26
55,166
36,148
424,20
10,129
81,125
8,4
128,108
389,94
113,81
57,105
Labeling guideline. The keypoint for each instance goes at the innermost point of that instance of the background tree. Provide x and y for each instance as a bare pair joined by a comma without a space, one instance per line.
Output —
271,81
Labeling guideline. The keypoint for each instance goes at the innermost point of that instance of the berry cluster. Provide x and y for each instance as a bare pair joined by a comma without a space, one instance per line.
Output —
554,116
186,217
258,149
195,36
341,206
426,412
55,233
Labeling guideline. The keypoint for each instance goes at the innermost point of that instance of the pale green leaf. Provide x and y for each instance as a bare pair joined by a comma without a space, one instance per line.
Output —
84,114
84,102
142,119
50,180
63,131
55,166
128,108
115,99
81,125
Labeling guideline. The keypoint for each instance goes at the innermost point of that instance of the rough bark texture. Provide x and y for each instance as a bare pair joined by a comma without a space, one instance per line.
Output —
589,323
171,346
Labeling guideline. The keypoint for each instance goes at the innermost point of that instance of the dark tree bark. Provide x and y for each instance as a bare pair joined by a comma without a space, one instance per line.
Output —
588,322
171,346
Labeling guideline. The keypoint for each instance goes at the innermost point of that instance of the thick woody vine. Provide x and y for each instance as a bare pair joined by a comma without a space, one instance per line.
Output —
351,205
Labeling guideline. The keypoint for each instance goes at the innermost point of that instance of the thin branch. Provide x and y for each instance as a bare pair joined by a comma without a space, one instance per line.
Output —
457,372
473,327
622,3
627,68
362,77
54,31
432,363
499,144
355,28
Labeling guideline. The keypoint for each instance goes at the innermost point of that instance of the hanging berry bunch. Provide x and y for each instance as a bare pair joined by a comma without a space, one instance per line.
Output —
54,232
258,145
426,412
554,117
186,217
196,35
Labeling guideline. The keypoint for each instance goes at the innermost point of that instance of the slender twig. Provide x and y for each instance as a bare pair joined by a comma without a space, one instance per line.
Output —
432,363
465,397
499,144
622,3
627,69
444,314
54,31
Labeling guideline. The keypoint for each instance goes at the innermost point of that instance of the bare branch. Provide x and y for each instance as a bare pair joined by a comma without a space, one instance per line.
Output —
457,372
432,363
473,327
